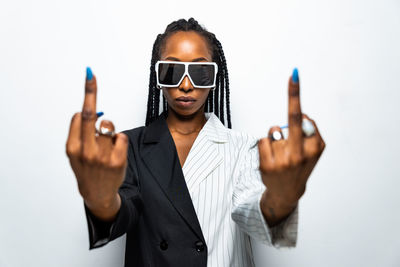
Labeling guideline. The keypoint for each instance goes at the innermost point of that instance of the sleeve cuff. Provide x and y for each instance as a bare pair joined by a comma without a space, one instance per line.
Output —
285,233
99,231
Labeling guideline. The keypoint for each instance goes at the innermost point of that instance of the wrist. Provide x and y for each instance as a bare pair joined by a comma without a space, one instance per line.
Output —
278,202
100,199
106,209
275,209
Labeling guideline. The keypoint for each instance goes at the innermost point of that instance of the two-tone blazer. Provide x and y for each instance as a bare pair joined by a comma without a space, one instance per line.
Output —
201,214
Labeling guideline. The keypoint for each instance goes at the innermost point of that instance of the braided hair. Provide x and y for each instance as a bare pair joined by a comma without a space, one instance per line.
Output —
215,100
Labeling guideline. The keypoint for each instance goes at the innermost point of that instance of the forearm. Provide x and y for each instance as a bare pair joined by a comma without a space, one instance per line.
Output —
274,209
105,210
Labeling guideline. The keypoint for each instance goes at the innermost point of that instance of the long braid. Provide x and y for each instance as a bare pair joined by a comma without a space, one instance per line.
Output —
215,100
226,79
221,106
216,96
151,101
210,101
165,106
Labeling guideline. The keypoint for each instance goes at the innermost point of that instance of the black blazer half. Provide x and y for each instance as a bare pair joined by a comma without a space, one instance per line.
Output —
156,211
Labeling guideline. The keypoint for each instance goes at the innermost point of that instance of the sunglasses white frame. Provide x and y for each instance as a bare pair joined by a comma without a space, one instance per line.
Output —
186,73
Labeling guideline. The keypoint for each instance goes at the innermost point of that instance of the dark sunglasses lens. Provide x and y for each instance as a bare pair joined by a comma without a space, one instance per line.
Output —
202,75
170,73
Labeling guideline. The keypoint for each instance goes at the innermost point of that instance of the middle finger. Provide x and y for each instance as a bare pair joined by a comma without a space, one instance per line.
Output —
295,139
89,116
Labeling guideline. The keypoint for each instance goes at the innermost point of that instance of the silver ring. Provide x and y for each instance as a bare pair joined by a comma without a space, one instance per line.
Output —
308,127
106,132
276,136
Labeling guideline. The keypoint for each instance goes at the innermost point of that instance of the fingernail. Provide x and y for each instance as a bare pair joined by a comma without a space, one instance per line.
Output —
295,75
99,114
89,74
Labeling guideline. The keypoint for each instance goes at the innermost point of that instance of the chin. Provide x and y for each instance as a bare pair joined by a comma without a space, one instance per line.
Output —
186,112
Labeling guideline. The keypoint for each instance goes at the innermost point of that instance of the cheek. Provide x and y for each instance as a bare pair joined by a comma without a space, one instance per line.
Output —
205,96
166,93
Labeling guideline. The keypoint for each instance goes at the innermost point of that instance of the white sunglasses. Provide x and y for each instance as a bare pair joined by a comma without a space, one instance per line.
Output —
172,73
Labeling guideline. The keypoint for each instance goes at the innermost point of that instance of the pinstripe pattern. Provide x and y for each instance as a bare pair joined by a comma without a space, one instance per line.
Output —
221,172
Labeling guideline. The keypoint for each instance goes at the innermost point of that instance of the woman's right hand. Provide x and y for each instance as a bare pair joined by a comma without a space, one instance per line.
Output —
98,161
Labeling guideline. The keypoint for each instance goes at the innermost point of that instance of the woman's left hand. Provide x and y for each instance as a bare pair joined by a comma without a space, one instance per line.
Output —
286,164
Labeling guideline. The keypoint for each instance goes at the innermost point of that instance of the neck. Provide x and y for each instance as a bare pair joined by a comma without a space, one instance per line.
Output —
186,124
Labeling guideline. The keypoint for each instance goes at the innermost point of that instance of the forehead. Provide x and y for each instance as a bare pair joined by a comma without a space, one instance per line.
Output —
186,46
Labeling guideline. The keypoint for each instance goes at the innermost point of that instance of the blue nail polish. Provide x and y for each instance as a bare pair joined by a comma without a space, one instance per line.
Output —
295,75
99,114
89,74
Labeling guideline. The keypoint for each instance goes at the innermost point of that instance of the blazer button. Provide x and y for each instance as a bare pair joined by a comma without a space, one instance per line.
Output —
164,245
199,246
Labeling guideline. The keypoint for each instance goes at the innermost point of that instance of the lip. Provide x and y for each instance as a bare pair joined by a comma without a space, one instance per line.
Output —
185,98
185,101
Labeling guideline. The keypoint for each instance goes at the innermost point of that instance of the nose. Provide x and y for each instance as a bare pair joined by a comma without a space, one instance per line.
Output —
186,85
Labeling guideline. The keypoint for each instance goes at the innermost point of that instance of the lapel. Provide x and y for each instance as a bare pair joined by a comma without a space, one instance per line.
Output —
205,155
159,154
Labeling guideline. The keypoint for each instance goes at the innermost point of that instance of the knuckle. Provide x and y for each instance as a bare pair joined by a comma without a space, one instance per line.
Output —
314,152
89,157
267,169
295,117
294,91
76,116
262,144
323,145
283,165
72,149
296,160
90,88
87,114
124,138
117,163
103,161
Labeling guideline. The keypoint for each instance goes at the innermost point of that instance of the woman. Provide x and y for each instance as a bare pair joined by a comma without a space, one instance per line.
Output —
187,190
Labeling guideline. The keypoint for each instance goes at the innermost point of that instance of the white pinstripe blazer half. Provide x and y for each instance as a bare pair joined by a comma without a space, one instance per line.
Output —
223,178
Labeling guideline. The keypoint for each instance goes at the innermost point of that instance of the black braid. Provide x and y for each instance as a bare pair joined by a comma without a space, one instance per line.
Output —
226,79
165,106
216,96
211,99
215,100
151,114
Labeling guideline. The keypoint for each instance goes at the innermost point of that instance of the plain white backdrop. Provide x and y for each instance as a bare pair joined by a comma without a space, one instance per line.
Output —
348,57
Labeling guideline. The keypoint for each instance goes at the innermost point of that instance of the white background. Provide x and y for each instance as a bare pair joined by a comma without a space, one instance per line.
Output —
348,55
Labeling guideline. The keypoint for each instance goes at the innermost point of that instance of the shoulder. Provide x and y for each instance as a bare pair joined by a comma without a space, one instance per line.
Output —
134,133
242,140
236,138
242,136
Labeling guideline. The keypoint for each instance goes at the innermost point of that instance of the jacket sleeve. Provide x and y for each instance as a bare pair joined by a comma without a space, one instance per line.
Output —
246,210
100,232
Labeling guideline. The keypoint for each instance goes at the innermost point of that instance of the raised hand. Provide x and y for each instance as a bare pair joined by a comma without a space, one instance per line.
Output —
286,164
98,160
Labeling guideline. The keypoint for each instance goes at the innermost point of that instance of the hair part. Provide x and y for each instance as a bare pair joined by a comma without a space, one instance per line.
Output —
218,100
